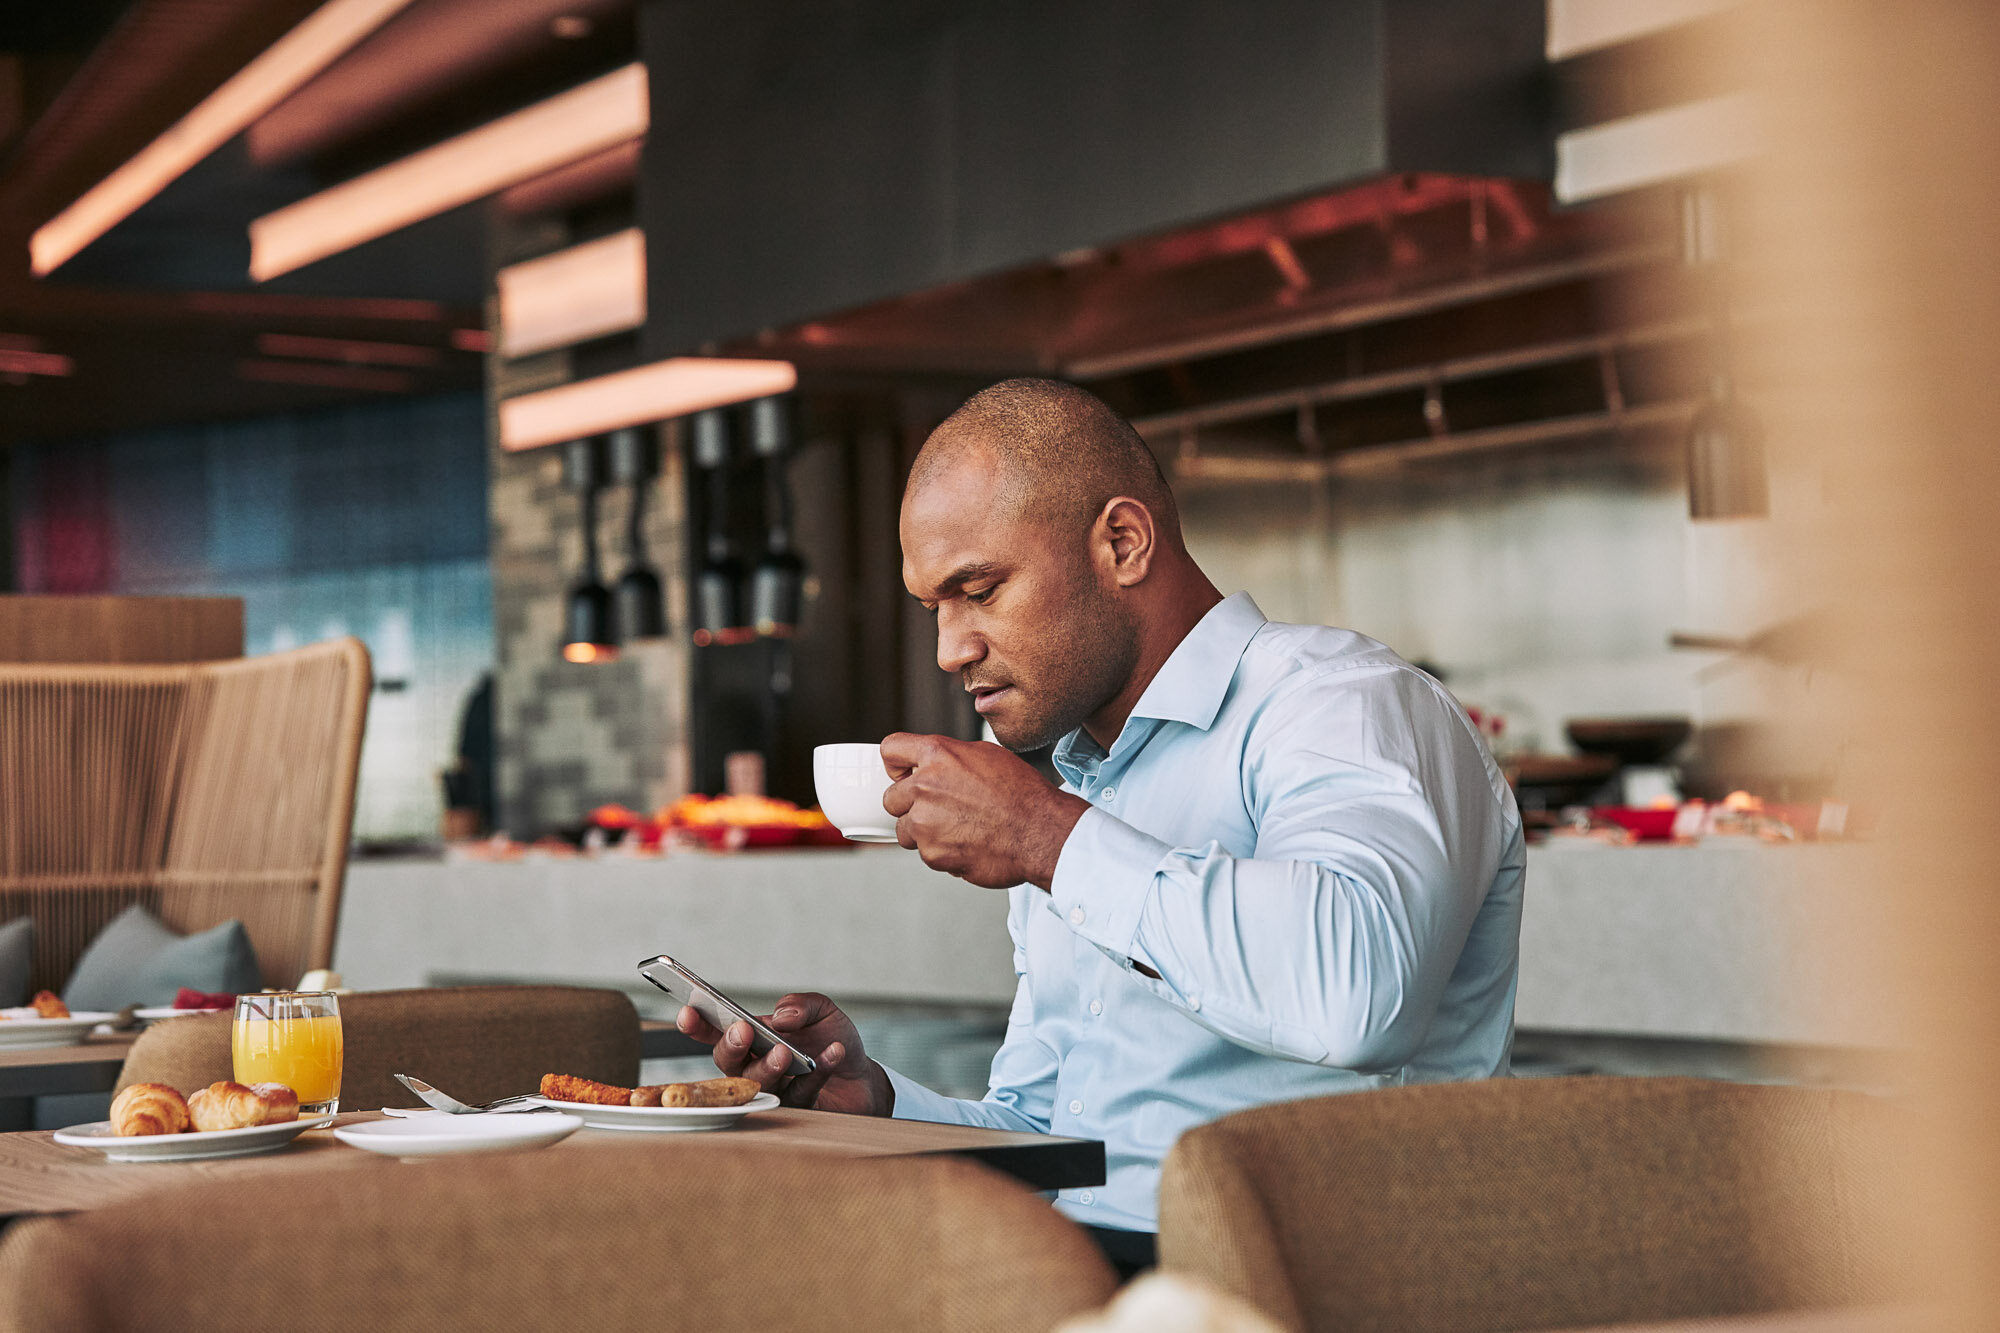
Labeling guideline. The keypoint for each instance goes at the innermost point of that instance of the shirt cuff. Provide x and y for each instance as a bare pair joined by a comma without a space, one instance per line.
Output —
914,1101
1103,880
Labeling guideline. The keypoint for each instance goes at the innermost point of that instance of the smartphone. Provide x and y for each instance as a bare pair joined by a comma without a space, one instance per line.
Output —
685,988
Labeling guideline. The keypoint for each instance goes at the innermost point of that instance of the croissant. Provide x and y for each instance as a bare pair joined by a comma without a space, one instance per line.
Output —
230,1105
48,1004
280,1102
148,1108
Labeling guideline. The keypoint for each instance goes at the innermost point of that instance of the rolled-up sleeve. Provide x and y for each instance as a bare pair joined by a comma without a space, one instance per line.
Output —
1378,831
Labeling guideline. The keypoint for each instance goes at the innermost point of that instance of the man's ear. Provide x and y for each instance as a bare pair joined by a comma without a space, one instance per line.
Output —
1126,535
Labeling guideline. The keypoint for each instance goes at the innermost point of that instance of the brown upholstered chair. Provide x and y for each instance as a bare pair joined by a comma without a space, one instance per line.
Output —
476,1042
581,1236
1534,1204
204,790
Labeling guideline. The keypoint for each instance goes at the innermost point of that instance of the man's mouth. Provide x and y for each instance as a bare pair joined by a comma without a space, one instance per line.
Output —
984,697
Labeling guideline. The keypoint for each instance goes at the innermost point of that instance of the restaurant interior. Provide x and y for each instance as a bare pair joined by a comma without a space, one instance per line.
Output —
453,465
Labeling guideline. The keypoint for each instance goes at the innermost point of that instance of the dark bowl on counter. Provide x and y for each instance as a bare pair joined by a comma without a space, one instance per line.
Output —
1629,740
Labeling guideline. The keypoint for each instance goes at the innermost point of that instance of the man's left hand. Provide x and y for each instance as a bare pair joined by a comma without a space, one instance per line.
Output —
977,810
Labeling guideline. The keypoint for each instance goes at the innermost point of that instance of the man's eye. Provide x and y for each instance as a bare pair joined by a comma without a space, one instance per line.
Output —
980,598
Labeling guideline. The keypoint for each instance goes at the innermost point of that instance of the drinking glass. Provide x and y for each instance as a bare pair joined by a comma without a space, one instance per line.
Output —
293,1038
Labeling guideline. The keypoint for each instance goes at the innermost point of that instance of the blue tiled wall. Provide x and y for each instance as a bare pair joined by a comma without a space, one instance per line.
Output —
367,520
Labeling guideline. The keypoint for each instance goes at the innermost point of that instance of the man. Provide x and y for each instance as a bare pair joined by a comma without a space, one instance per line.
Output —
1281,864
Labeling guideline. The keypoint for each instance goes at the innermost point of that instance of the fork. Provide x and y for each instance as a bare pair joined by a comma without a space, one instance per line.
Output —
452,1105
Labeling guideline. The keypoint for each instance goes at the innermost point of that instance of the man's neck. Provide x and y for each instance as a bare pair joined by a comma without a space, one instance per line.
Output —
1181,612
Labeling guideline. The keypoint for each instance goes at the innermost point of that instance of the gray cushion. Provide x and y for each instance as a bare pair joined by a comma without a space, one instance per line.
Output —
137,960
17,959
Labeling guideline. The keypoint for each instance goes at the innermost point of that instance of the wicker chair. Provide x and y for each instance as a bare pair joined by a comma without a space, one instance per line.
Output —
1536,1204
205,791
478,1043
585,1235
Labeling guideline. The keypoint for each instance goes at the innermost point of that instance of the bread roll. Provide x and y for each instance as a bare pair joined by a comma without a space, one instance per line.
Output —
226,1105
710,1092
148,1108
280,1102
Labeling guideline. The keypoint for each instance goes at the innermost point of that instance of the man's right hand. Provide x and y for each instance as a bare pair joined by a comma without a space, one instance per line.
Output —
846,1081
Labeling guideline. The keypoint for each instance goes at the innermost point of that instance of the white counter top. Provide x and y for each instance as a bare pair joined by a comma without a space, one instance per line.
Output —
1730,941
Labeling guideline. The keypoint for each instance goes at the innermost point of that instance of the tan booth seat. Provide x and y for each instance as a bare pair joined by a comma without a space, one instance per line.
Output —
582,1236
1526,1204
478,1043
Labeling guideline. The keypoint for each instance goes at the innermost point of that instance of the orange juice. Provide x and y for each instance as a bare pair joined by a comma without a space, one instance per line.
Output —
301,1053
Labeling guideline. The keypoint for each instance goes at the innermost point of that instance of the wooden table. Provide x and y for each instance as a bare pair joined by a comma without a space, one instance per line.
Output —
93,1065
39,1175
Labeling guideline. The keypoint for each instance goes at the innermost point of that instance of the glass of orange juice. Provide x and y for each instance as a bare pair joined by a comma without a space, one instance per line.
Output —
293,1038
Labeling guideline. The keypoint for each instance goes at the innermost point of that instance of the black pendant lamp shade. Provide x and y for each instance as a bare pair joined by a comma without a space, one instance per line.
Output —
777,596
719,613
589,634
638,604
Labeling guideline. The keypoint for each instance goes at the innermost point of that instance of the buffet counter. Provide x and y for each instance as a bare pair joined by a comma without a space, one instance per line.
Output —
1730,940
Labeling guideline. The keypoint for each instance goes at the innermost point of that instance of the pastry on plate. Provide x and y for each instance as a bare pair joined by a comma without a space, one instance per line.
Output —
148,1108
232,1105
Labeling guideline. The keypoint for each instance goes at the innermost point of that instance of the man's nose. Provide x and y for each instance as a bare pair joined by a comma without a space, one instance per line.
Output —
958,646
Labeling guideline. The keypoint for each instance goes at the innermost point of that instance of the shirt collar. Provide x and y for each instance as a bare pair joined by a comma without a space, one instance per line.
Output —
1193,681
1189,687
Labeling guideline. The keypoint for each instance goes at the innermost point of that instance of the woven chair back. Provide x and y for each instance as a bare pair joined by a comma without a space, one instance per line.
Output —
205,791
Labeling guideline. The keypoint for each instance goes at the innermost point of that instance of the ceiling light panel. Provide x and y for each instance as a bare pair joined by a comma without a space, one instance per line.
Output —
657,392
587,119
574,295
287,65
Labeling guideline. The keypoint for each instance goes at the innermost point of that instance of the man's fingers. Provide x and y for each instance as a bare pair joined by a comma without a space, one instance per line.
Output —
732,1053
906,833
904,750
899,797
795,1013
692,1024
805,1091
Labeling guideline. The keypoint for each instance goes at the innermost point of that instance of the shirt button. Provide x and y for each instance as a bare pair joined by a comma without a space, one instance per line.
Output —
1086,1196
1097,1006
1076,916
1076,1108
1109,792
1194,1001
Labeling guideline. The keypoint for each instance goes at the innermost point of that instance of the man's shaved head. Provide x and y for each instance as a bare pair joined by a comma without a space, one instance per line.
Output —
1039,530
1059,454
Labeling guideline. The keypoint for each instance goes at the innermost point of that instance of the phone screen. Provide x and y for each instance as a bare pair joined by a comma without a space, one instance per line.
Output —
685,988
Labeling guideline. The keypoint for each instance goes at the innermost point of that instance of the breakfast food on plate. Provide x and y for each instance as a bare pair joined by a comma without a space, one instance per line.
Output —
708,1092
232,1105
48,1004
155,1108
750,811
187,997
148,1108
569,1088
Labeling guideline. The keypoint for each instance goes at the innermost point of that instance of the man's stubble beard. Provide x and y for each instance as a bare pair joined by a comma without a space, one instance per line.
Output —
1106,652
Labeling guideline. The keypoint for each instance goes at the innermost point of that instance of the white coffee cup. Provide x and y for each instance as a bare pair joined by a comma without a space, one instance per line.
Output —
850,780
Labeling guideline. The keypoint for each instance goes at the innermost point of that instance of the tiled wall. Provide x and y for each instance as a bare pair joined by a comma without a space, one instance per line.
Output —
366,520
571,737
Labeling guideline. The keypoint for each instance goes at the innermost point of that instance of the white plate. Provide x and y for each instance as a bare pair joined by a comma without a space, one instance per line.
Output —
153,1015
19,1032
663,1118
449,1135
190,1147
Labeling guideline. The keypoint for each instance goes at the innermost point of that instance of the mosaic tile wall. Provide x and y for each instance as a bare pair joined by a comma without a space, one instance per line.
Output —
571,737
367,520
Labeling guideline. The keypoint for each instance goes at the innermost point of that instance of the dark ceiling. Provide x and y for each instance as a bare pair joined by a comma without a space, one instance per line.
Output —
157,322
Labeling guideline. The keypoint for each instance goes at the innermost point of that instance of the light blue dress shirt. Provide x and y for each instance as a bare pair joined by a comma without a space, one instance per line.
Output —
1308,841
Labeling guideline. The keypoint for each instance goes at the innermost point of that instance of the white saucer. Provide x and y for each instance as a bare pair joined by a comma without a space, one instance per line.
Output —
154,1015
189,1147
17,1033
441,1135
663,1119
